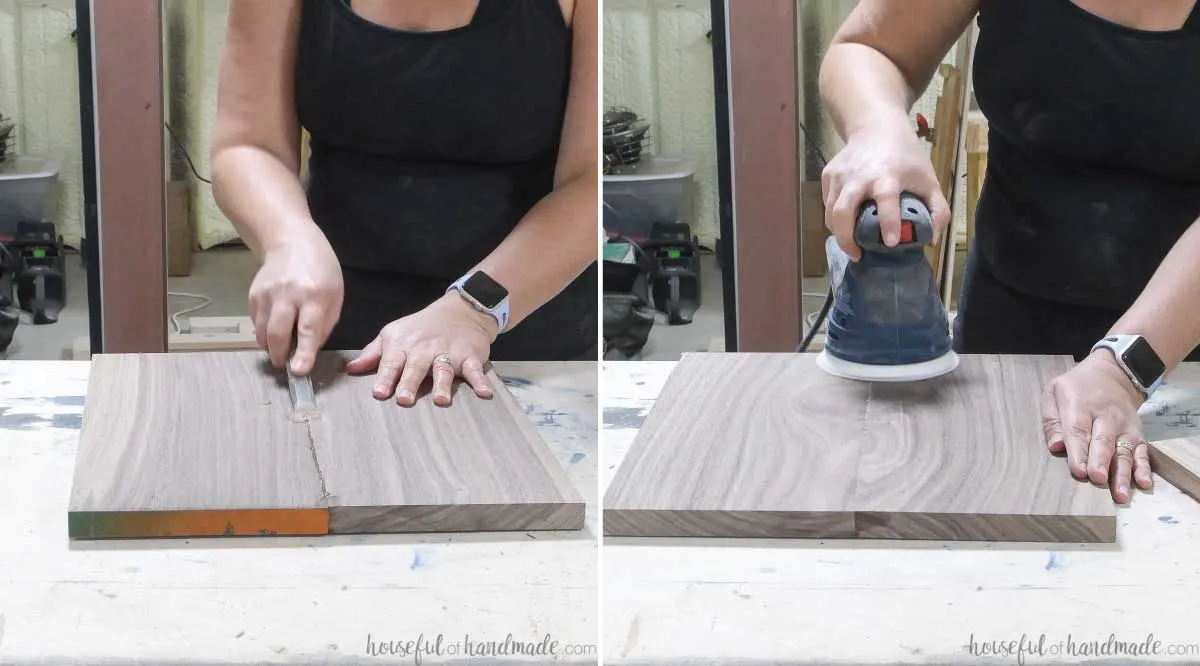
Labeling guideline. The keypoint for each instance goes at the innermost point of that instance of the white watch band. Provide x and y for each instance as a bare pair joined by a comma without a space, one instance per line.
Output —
499,313
1117,344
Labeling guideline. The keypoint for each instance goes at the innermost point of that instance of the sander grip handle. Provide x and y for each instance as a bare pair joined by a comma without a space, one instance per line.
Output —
916,226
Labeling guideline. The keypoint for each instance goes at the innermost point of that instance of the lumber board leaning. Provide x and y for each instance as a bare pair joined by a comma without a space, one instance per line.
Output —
768,445
1178,461
206,444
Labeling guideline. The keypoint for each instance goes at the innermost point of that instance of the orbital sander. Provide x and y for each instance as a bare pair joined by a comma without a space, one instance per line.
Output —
887,322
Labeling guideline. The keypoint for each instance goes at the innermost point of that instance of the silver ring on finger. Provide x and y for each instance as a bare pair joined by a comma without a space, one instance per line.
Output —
443,360
1127,445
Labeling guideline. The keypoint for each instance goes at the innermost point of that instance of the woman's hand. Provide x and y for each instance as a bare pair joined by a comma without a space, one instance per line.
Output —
1091,411
879,163
448,339
297,290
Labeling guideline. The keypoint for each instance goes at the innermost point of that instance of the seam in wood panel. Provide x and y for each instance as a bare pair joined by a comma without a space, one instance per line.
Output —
866,421
312,450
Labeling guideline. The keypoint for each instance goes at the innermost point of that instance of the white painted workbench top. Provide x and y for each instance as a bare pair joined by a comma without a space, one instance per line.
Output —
878,602
278,600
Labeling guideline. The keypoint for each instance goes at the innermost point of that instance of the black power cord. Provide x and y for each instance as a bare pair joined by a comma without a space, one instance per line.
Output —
812,332
186,156
816,326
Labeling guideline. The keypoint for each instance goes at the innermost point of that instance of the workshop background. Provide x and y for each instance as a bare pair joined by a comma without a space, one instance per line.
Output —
39,95
658,64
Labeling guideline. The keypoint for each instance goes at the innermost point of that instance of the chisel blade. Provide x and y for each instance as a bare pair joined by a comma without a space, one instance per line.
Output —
304,400
300,389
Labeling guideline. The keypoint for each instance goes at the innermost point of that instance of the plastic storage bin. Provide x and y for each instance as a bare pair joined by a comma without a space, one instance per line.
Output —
657,190
27,191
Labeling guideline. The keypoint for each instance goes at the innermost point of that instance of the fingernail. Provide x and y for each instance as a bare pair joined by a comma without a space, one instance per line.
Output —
403,394
1124,490
891,239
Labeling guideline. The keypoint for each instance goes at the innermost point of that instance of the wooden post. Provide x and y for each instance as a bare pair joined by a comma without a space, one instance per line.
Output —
948,133
763,80
977,148
130,188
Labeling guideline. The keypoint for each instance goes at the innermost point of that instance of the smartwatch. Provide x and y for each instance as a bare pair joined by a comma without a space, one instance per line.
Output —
1137,358
485,295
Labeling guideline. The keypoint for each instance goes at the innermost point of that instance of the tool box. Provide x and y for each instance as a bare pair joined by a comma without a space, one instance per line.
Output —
40,276
675,271
657,190
28,192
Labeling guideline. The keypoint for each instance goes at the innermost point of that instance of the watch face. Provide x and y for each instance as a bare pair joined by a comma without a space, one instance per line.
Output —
484,289
1141,360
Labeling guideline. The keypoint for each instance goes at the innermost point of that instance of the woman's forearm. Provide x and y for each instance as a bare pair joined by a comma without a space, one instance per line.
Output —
1165,313
863,89
550,247
884,55
262,197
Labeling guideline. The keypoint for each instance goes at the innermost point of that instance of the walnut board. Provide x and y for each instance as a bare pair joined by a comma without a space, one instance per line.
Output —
768,445
205,444
1178,461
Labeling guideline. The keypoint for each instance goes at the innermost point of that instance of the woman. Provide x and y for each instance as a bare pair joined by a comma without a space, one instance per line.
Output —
449,216
1087,223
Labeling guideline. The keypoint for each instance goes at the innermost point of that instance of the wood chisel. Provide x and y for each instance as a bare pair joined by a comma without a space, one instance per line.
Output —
304,399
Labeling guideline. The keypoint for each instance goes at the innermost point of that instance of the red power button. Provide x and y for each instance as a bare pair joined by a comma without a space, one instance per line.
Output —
906,232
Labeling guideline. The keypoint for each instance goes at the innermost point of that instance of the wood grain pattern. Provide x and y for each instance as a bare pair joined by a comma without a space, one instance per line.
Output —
767,445
204,444
1178,461
166,432
479,466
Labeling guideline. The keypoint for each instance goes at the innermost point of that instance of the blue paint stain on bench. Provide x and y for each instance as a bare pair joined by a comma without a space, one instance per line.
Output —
1054,562
38,422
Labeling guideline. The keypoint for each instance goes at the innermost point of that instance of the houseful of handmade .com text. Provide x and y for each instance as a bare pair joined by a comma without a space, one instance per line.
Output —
1029,648
425,647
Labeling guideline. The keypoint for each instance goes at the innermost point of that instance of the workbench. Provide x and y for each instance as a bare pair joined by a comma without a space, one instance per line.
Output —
749,602
281,599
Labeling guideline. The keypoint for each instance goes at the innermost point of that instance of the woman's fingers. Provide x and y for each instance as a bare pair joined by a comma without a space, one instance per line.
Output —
368,359
281,323
1103,447
939,209
443,380
1077,435
1122,470
391,363
1052,422
416,369
310,335
831,187
843,216
1141,467
886,194
472,371
258,317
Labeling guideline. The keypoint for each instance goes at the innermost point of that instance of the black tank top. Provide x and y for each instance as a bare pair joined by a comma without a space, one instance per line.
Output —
427,149
1094,149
